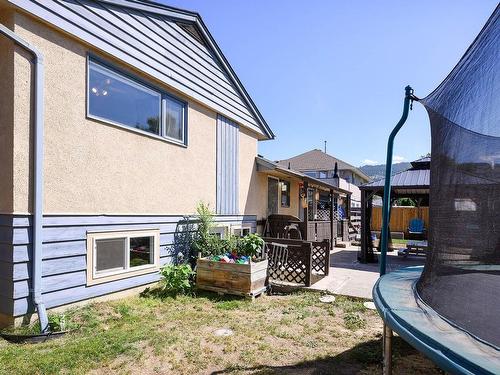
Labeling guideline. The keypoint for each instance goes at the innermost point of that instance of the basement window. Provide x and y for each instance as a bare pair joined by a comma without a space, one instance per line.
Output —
219,231
117,255
120,99
241,231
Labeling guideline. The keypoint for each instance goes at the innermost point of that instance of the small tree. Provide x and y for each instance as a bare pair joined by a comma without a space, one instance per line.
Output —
204,241
408,202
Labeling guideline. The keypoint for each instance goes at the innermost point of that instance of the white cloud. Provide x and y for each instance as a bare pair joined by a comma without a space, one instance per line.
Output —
370,162
398,159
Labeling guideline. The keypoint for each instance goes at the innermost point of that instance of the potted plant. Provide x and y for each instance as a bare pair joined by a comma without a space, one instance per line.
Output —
229,265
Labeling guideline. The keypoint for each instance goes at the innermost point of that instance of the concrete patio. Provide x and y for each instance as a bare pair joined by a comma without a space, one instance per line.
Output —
349,277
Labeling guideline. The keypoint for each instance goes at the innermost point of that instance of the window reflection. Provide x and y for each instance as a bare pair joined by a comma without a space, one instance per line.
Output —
141,252
114,97
175,119
118,99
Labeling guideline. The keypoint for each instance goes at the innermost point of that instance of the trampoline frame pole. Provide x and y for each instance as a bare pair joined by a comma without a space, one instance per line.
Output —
386,203
387,350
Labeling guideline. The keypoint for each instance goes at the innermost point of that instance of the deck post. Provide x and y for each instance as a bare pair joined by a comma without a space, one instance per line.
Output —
306,213
364,239
387,349
332,237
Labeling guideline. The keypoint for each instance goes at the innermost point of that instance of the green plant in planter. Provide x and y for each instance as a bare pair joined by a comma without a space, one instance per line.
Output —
176,279
204,242
251,245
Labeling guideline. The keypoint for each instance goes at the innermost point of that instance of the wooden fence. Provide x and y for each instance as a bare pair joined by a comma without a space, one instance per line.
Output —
400,217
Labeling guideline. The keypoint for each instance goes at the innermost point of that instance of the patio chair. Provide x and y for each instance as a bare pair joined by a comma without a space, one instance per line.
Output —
416,228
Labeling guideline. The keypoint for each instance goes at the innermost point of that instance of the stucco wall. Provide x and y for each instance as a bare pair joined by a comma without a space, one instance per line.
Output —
249,195
356,193
260,190
294,200
92,167
6,115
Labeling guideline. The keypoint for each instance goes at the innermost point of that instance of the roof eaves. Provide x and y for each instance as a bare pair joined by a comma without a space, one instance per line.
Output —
275,166
154,7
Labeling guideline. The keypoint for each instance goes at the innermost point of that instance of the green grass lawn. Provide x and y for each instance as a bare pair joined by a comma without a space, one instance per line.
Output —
291,334
399,241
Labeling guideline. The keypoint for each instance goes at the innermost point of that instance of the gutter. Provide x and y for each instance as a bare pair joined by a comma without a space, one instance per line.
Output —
36,259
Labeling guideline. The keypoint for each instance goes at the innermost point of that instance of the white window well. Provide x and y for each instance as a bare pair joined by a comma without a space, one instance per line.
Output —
121,99
116,255
241,231
220,231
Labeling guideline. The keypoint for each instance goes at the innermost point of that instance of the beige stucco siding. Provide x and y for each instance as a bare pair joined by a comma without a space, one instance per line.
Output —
6,116
260,190
249,194
92,167
294,200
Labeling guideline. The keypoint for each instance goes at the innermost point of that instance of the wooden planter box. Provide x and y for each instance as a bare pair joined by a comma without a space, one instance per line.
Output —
231,278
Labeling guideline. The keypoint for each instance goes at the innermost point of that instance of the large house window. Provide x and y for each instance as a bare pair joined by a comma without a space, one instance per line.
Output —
115,255
285,193
118,99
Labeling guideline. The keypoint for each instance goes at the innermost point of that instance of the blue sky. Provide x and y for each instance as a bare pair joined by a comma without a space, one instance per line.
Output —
336,70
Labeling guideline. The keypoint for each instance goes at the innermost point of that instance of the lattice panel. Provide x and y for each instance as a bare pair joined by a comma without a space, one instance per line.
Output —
320,258
323,214
291,269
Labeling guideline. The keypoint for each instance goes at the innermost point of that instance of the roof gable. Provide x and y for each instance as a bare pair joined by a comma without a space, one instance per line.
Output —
169,44
315,160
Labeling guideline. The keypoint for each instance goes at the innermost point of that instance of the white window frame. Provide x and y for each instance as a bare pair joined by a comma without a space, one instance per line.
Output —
145,86
102,277
289,191
241,227
223,230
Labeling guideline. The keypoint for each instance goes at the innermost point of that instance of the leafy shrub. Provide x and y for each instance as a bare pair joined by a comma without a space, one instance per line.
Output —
251,245
176,279
204,242
57,322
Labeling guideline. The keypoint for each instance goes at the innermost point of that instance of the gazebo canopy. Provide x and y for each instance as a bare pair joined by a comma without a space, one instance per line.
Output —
412,182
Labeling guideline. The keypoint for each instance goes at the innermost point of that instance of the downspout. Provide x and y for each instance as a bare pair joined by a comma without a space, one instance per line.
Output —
36,259
386,203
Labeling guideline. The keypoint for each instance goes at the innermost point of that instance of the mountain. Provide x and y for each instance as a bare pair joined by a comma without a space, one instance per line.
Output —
376,172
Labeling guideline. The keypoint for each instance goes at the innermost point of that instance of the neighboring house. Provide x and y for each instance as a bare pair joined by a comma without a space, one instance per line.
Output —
128,118
314,202
320,165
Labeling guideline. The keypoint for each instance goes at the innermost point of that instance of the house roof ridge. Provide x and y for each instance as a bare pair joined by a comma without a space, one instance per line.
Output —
343,164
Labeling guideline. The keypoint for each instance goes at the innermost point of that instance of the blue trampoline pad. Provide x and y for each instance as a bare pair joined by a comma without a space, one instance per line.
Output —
450,347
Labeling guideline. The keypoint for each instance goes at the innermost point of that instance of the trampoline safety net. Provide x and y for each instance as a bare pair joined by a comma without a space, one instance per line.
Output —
461,277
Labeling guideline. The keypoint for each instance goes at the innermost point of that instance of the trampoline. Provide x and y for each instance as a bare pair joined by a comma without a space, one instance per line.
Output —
450,308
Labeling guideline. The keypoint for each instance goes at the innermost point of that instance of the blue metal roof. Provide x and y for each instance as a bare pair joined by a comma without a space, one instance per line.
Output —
409,178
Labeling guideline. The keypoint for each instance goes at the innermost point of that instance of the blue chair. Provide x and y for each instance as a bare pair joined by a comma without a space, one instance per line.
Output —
416,228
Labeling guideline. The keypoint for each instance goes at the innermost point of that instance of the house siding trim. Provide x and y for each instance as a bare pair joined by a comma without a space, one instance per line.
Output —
227,167
64,253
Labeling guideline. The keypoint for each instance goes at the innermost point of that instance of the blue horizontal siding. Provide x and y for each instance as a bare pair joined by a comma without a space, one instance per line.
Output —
61,297
64,254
